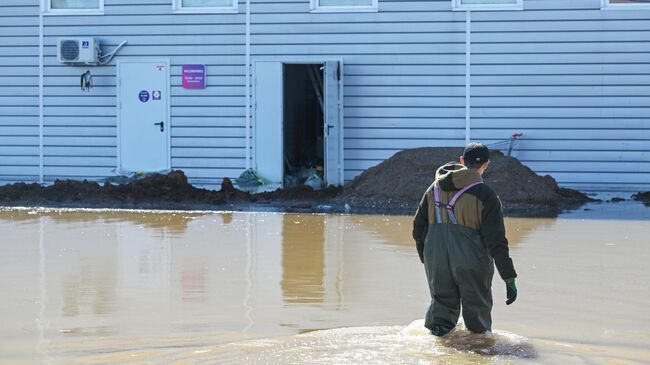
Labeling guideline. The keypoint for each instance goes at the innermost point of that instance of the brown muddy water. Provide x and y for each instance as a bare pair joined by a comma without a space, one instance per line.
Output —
118,287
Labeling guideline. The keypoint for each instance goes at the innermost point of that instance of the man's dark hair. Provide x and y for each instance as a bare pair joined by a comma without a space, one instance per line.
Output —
475,155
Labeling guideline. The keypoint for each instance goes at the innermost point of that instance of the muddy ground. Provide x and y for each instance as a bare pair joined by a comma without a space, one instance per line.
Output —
394,186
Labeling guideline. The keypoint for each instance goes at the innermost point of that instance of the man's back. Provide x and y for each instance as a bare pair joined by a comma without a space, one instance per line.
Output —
458,231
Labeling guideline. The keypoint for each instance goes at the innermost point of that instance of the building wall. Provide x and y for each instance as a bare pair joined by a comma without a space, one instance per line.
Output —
569,76
19,122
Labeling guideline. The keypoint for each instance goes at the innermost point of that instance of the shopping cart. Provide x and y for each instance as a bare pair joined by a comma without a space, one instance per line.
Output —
507,145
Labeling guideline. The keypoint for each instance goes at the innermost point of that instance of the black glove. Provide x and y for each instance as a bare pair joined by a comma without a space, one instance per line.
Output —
511,292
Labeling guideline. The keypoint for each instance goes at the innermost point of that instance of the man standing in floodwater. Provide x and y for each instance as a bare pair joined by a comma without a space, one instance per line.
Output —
460,236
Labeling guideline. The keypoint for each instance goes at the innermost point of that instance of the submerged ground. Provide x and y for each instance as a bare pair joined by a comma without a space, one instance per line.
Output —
124,287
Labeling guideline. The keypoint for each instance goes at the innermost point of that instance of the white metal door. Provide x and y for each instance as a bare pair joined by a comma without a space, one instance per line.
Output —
269,117
333,124
143,120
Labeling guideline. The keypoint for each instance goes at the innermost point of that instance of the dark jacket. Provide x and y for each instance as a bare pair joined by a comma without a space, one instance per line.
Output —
479,209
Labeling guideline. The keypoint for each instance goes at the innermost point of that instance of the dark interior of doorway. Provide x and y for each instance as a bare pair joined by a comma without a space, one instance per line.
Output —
303,125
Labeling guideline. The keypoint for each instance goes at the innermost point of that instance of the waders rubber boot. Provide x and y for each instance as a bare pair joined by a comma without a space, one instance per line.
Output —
440,331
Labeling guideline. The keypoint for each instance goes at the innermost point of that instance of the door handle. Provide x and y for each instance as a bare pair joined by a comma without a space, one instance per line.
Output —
162,126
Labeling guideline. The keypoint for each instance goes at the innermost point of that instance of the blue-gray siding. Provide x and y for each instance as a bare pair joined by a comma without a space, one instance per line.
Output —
572,78
19,131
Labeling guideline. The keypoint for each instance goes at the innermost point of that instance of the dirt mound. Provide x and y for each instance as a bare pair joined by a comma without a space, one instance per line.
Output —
400,181
643,197
152,191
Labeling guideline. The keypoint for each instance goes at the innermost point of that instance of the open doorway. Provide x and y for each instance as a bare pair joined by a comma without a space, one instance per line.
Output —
303,135
298,123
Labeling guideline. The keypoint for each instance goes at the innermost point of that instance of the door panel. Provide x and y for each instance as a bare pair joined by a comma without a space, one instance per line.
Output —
269,106
143,116
333,124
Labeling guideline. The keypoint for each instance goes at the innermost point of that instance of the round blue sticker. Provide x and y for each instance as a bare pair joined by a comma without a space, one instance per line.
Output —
143,96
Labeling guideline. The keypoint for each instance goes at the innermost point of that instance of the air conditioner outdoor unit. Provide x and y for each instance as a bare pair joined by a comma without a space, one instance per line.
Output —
78,50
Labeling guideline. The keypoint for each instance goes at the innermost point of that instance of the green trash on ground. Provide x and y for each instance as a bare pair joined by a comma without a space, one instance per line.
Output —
250,178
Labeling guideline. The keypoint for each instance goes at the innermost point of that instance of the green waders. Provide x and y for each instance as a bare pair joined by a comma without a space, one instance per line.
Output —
459,270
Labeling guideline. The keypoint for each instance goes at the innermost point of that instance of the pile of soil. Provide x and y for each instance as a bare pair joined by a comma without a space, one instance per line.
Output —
163,191
394,186
643,197
399,182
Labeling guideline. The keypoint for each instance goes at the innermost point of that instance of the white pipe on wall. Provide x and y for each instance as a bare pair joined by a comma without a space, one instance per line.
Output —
40,96
468,74
248,84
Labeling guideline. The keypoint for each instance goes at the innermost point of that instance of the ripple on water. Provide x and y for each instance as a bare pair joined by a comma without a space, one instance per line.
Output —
376,345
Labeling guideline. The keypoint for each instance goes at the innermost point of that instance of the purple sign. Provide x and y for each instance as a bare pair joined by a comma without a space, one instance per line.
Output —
143,96
193,76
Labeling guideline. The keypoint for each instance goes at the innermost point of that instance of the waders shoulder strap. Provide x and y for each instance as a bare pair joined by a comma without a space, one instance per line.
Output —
436,202
452,202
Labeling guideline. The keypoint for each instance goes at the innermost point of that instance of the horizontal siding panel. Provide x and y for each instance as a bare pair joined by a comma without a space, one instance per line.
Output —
586,112
212,163
13,160
352,49
561,90
171,20
187,152
81,121
404,80
207,142
561,80
70,90
579,145
18,41
116,33
405,123
512,124
84,161
577,123
18,151
13,171
405,90
21,110
208,132
80,101
19,80
88,111
207,121
560,101
401,144
136,40
50,131
582,156
80,151
289,28
187,101
12,60
18,130
405,112
600,177
18,140
77,172
591,167
409,101
189,111
440,38
553,58
397,133
88,141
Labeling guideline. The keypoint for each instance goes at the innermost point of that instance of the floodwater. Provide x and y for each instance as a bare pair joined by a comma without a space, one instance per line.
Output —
118,287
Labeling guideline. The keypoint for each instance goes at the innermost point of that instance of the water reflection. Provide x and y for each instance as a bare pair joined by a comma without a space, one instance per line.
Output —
398,231
181,285
303,258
